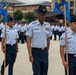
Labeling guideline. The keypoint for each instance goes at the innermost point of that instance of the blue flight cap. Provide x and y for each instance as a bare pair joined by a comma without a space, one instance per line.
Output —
10,19
73,19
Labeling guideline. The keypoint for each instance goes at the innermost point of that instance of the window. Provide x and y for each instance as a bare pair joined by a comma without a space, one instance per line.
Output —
75,12
0,15
71,11
56,0
71,3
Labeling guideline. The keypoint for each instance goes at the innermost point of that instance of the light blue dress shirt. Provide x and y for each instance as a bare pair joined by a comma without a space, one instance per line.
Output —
39,33
71,39
11,35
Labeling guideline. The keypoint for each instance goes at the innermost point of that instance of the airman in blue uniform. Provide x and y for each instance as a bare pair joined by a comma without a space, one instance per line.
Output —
71,41
22,30
38,35
11,46
55,31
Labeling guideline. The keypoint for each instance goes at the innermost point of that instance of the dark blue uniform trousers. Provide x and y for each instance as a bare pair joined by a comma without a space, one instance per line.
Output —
59,33
72,64
22,37
11,53
40,65
0,35
55,35
19,37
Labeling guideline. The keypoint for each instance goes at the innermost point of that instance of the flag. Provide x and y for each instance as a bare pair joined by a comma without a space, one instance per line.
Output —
59,7
64,1
3,10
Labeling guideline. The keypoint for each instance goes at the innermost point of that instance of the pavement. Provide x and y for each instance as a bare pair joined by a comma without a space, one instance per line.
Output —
22,65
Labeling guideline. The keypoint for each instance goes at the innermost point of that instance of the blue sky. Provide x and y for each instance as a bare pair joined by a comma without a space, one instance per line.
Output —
34,1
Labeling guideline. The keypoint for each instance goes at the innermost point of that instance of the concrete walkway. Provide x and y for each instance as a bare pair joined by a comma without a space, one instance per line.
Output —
23,66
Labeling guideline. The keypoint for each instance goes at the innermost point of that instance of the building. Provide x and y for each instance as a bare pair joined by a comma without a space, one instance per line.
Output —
11,4
28,7
14,5
72,5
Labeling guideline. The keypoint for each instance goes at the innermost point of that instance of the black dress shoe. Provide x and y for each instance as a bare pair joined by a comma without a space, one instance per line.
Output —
2,72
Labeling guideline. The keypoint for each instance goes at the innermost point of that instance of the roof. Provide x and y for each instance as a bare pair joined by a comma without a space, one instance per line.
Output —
47,3
58,15
54,14
13,1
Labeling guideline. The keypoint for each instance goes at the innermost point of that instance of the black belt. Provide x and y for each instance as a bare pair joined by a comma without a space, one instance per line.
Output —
40,48
10,44
22,32
72,55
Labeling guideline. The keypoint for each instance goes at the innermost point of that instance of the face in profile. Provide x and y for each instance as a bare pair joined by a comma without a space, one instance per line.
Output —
73,26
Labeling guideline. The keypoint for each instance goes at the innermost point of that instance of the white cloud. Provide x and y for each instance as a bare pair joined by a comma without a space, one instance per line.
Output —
33,1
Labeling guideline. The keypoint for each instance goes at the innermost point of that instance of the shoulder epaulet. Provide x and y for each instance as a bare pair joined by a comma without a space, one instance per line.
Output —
46,22
34,22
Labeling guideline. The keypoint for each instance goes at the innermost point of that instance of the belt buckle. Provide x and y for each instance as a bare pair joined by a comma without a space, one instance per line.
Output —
11,44
42,48
75,55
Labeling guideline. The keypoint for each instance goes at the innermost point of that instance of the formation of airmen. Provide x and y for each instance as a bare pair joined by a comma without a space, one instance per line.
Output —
20,27
38,34
57,30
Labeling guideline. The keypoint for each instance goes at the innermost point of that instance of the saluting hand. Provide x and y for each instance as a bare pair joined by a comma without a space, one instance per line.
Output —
31,59
65,64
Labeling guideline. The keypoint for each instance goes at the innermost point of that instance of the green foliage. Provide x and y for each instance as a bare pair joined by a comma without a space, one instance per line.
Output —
30,16
18,15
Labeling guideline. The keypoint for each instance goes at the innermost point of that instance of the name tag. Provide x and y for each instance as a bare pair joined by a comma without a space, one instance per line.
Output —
36,30
69,37
7,31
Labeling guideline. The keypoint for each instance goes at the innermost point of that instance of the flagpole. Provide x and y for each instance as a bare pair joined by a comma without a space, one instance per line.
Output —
5,45
5,38
66,40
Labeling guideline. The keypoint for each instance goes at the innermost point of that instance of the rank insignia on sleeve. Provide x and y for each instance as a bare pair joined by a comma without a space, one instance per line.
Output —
28,28
62,38
47,28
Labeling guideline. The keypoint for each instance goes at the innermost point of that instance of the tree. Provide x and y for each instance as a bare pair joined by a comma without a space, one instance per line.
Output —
18,15
30,16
